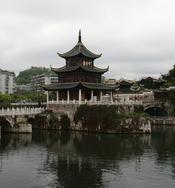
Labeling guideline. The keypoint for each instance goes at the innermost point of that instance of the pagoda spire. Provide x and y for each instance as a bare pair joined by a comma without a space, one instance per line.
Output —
79,48
79,36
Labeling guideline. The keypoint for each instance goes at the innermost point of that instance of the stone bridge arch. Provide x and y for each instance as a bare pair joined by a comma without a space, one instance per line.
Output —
156,111
32,120
15,123
6,123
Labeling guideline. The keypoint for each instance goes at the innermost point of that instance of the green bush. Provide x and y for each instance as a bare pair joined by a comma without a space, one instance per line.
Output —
65,122
25,76
5,100
28,97
94,116
104,116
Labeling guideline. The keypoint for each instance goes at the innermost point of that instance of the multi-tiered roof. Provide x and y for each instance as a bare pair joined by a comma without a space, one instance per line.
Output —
79,70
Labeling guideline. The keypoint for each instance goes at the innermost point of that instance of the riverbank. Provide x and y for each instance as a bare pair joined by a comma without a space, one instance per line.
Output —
87,118
98,119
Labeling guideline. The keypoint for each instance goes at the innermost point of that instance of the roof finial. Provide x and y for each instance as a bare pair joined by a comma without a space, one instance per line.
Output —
79,37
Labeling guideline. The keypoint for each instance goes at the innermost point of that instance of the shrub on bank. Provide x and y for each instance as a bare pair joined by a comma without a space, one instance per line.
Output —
5,100
102,116
135,115
94,116
65,122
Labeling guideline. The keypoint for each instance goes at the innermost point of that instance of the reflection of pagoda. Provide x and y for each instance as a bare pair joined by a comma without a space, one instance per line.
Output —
79,79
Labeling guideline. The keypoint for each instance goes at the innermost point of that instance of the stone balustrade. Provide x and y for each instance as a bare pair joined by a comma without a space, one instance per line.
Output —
26,103
96,102
20,111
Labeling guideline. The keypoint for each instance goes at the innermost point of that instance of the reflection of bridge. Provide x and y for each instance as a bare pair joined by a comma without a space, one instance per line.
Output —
20,111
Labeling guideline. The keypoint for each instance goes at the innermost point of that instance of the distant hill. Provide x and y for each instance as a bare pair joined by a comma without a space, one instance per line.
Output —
24,77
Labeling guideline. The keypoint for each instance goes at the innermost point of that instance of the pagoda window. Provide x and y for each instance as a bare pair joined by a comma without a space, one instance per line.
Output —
84,63
87,63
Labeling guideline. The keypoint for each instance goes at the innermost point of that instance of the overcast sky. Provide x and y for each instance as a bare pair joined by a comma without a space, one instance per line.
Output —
136,37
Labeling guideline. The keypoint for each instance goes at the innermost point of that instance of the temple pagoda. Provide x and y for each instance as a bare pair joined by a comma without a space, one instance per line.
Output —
79,80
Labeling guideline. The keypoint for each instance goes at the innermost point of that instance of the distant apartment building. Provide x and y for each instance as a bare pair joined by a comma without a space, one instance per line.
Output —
39,80
24,88
7,82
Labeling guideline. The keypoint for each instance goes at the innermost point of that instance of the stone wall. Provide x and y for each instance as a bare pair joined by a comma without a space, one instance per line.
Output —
51,120
68,109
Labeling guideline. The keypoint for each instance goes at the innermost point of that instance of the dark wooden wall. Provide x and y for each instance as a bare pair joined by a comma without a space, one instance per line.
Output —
79,75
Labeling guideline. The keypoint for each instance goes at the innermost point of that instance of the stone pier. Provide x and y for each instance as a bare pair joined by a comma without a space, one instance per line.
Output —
15,124
64,109
17,119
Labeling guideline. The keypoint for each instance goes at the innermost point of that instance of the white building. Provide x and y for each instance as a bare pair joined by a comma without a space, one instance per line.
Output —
39,80
132,98
7,82
24,88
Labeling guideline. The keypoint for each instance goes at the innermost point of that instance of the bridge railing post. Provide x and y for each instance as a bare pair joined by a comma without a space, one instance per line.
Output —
21,111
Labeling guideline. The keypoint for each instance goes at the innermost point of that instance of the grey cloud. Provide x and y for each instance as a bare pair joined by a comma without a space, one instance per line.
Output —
135,37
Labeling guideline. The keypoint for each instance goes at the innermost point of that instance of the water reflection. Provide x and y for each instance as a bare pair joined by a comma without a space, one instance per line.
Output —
14,141
75,159
164,146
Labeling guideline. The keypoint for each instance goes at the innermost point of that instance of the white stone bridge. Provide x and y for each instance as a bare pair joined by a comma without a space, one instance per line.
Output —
17,119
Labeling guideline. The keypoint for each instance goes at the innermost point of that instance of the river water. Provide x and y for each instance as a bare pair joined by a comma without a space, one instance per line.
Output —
81,160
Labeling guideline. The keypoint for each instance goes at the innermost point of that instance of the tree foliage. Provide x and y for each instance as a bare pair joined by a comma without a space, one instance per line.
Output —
28,97
25,76
5,99
65,122
170,77
94,116
172,101
103,117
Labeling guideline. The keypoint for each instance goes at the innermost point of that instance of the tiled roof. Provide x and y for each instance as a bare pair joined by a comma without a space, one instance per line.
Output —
79,48
71,85
73,68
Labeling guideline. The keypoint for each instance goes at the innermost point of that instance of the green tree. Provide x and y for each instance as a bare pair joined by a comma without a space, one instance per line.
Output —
170,77
29,97
25,76
65,122
94,116
5,100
